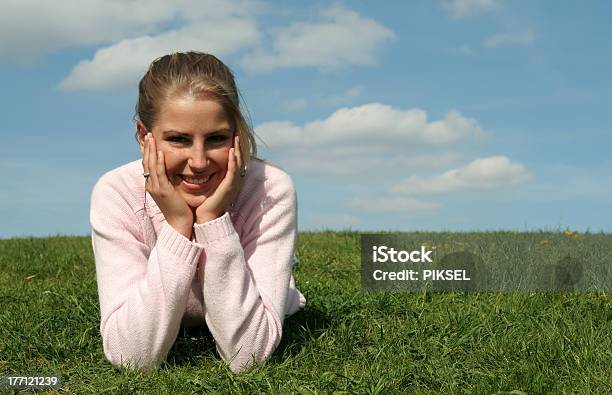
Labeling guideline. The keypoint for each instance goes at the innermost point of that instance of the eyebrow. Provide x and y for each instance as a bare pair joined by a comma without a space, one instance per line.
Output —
171,131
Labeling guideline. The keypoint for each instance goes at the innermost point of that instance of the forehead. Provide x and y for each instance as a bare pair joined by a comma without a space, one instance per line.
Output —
190,115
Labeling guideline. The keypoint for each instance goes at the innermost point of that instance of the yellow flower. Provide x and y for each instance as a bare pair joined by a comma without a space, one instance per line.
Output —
428,246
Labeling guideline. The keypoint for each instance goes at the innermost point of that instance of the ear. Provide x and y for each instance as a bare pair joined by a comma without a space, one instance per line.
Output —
141,130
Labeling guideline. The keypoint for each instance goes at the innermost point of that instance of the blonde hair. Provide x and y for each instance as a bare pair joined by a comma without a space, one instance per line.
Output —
201,76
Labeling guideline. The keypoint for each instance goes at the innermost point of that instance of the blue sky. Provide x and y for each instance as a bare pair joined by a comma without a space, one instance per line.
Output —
423,115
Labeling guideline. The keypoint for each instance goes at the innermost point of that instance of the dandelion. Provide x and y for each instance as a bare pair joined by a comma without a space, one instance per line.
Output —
428,246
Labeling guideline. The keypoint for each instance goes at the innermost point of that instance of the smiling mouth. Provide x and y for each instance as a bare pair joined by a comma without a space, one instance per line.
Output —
197,180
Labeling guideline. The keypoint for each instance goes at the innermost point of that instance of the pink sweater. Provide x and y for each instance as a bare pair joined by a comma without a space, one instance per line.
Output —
234,277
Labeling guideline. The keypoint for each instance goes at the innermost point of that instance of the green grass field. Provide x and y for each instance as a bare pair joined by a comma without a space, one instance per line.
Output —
345,341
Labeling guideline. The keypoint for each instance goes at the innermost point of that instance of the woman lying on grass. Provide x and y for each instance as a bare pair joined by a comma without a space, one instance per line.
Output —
207,237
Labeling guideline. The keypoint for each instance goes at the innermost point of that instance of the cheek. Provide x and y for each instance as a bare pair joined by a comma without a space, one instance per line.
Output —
172,162
223,158
225,162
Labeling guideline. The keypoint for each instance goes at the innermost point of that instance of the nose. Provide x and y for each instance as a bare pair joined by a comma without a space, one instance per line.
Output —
198,159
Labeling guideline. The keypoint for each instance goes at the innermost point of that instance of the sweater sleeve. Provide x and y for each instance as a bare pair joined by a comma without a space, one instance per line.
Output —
245,285
143,291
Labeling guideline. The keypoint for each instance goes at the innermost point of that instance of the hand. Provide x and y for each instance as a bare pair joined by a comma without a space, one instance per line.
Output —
172,205
215,205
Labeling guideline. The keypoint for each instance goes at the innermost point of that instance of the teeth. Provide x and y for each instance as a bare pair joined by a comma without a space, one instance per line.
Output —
196,180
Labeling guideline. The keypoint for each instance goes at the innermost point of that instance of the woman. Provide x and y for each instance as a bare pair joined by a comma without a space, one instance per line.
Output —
198,232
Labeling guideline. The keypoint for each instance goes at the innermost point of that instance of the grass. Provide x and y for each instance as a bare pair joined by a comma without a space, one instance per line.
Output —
345,341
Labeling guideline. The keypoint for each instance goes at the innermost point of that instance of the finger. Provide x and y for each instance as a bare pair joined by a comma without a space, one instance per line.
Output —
231,162
153,162
145,156
238,153
231,170
237,167
162,178
145,163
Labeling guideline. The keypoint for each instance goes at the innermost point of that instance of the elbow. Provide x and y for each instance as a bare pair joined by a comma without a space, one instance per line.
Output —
121,357
242,363
254,349
238,368
128,361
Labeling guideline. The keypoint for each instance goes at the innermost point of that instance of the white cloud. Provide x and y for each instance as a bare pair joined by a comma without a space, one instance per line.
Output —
279,133
458,9
519,38
342,37
121,64
481,174
133,33
31,29
394,205
373,123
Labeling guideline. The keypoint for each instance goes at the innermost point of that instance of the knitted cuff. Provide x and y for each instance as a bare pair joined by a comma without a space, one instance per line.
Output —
211,231
178,245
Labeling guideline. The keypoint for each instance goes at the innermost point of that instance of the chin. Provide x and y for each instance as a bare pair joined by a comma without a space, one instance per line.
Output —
195,201
192,201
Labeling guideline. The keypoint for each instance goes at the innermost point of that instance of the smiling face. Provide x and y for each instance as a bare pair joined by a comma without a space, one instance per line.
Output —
195,136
